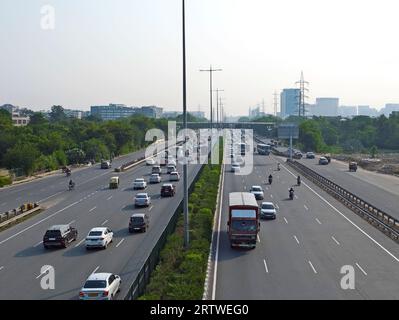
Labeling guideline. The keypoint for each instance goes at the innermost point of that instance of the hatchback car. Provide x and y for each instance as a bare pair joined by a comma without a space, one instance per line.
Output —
174,176
257,191
150,162
170,169
100,286
139,184
156,169
323,161
59,236
99,238
268,210
142,200
168,190
155,178
139,222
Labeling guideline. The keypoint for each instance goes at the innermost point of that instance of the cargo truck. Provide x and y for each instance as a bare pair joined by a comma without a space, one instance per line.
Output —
243,224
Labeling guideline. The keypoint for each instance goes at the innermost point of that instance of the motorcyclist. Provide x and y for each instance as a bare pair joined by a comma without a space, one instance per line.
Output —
298,180
291,193
71,184
68,172
278,166
270,179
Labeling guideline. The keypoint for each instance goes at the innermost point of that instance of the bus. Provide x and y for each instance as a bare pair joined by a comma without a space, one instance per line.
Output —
264,149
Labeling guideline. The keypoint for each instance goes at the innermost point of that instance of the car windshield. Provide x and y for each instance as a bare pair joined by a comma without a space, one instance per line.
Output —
141,196
155,176
139,180
53,233
243,225
95,233
268,206
95,284
137,220
256,189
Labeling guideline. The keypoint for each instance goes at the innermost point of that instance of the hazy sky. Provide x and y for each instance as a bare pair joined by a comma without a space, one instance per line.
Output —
129,51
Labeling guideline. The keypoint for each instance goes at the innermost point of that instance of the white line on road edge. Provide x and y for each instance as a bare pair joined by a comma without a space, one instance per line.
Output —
347,219
306,207
109,198
361,269
264,262
79,243
314,270
38,244
35,224
92,209
119,243
94,271
296,239
336,241
104,222
318,221
285,220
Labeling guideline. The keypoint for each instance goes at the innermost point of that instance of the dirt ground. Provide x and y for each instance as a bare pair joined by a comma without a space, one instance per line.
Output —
384,163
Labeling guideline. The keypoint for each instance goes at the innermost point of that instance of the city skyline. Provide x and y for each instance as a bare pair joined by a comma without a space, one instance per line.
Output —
130,52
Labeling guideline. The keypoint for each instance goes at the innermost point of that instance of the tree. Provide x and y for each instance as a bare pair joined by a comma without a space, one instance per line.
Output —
5,120
57,114
373,151
310,136
37,119
22,156
76,155
96,149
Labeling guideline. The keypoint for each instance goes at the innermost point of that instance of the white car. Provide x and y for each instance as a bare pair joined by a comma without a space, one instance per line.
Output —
170,168
99,238
155,178
268,210
150,162
139,183
100,286
174,176
235,167
142,200
257,191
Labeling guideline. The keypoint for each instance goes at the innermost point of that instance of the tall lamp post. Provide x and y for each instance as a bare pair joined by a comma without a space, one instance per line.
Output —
211,70
185,183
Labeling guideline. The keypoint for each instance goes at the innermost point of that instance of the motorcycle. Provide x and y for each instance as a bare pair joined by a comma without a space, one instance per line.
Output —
270,180
278,167
299,181
68,173
71,187
291,194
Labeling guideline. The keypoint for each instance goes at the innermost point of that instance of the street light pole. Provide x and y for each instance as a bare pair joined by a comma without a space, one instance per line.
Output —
185,178
210,70
217,106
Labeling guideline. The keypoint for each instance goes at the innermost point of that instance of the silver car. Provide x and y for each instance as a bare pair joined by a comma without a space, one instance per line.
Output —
142,200
155,178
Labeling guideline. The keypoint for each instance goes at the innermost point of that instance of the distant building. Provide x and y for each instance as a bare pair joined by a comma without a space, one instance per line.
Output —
171,114
18,120
197,114
347,111
326,107
112,111
367,111
74,113
389,108
150,111
289,101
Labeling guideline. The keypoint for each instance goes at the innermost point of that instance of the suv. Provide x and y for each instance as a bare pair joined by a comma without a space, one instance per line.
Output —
168,190
139,222
59,236
310,155
156,169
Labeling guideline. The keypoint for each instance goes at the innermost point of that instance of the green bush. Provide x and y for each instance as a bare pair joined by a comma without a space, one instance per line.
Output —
5,181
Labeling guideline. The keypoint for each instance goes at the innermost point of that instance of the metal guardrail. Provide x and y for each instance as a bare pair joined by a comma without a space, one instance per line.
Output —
143,277
378,218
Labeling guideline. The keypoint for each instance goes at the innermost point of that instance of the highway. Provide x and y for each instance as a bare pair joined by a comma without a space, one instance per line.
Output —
300,254
91,204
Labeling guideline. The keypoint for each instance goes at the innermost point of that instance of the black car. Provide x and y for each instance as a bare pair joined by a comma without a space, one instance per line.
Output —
139,222
168,190
59,236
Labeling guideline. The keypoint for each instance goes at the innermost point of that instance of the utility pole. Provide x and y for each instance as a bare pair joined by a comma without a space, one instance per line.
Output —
211,70
217,106
302,96
185,175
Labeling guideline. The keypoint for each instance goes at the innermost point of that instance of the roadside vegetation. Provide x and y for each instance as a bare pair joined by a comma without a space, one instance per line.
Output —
47,144
180,274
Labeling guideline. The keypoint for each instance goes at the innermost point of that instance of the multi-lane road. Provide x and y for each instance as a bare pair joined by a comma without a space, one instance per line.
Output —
91,204
300,254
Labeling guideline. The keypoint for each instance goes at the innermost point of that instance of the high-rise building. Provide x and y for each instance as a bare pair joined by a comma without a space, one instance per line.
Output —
389,108
326,107
112,112
150,111
289,102
74,113
347,111
367,111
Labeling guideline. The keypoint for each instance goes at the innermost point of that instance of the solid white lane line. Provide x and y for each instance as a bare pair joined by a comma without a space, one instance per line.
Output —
296,239
119,243
318,221
104,222
109,198
314,270
277,206
285,220
258,238
306,207
152,207
94,271
92,209
264,262
38,244
80,242
349,220
361,269
336,241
